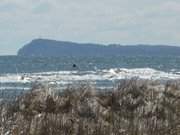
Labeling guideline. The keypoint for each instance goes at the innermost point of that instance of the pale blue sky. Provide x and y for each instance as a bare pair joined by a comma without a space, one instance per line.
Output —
97,21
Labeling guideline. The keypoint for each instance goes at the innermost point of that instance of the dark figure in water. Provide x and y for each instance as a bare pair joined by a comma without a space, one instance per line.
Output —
74,66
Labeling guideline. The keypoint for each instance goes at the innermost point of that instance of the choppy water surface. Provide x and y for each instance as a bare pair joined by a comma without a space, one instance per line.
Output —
18,73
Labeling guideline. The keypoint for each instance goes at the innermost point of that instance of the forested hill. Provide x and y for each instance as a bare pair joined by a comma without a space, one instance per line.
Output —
53,48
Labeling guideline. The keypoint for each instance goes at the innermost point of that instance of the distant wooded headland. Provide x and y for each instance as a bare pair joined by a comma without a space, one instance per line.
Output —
53,48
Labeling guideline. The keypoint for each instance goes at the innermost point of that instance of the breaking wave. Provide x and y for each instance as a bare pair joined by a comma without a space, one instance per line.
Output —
98,75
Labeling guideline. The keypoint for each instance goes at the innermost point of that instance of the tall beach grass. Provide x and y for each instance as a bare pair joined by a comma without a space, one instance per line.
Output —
133,107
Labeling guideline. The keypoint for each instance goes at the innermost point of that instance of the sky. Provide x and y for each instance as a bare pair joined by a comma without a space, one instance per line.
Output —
97,21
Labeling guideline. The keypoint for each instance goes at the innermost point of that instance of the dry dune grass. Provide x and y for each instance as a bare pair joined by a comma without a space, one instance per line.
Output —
134,107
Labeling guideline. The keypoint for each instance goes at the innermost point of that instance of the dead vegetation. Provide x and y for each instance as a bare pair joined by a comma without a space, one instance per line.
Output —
134,107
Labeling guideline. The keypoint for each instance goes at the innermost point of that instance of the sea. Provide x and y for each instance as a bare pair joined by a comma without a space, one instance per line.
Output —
19,74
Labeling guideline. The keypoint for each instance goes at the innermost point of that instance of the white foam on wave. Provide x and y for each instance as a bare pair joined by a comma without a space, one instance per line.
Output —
143,73
14,88
14,78
106,74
